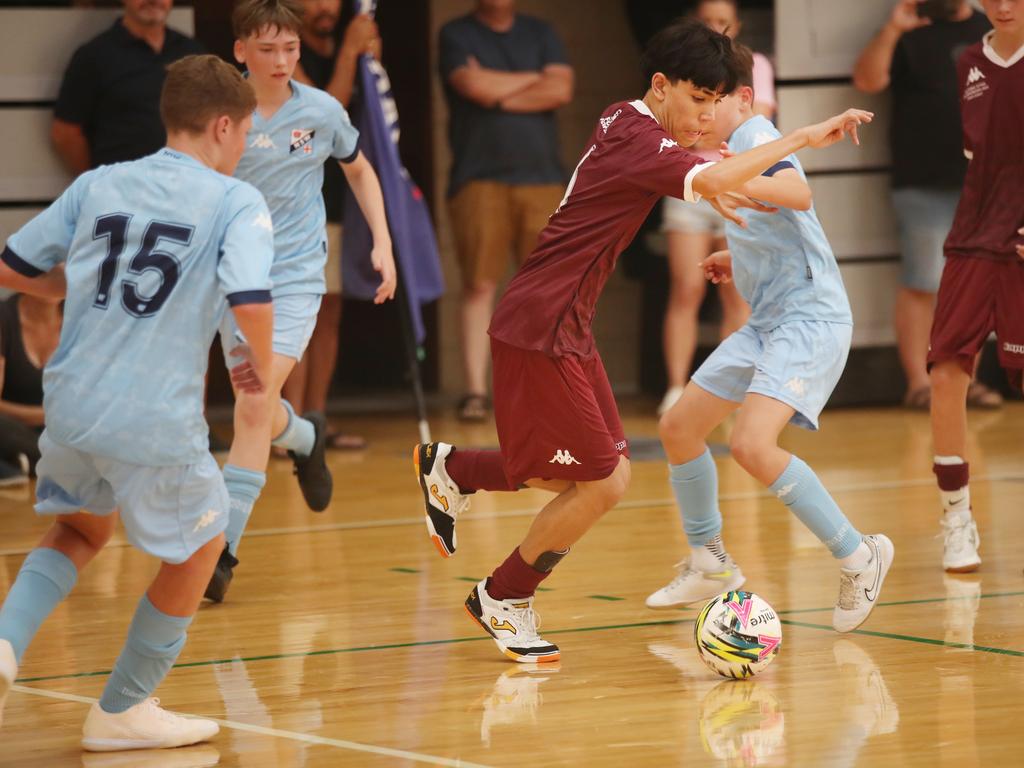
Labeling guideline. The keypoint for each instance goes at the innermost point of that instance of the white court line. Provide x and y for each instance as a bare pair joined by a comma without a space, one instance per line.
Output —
306,738
531,511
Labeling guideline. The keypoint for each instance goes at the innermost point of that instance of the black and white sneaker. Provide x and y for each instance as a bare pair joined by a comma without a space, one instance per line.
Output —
442,498
223,572
314,477
513,625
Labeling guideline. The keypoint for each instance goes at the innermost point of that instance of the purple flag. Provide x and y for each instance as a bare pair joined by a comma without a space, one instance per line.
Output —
412,233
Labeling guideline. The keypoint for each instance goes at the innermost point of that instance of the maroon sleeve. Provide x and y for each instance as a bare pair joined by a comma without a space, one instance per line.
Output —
655,162
962,66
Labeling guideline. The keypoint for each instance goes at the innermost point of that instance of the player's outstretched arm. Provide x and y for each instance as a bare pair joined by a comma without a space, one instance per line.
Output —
786,189
49,285
733,172
366,187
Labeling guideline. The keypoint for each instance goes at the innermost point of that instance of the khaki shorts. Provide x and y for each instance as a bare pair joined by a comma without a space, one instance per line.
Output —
491,220
332,270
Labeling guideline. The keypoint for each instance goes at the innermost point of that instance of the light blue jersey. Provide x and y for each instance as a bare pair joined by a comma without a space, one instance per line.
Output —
153,249
284,159
782,263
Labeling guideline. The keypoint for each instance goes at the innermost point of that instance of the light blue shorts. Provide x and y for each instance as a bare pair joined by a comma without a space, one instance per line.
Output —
799,364
925,217
294,322
168,512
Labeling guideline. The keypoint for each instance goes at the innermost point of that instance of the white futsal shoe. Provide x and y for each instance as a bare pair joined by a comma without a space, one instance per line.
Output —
513,625
859,590
691,585
442,498
960,545
8,673
144,726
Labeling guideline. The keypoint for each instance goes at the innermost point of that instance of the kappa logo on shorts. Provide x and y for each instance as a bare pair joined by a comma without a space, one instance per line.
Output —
206,520
797,386
1013,349
302,138
563,457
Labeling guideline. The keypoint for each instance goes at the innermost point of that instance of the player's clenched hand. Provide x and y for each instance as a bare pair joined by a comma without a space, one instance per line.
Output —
728,202
835,128
244,376
383,261
1020,248
718,267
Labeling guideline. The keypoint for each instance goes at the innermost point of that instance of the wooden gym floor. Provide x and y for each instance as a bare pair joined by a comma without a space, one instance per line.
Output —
344,643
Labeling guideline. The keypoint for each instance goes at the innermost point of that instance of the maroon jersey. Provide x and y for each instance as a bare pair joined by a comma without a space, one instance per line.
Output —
991,208
630,163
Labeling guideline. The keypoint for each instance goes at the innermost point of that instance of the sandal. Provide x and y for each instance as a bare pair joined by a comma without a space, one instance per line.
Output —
474,408
983,398
919,399
343,441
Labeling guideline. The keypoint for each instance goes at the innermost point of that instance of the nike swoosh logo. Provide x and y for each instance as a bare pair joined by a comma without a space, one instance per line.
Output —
872,593
954,502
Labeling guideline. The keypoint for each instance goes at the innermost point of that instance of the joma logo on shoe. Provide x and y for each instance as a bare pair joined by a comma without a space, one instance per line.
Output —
506,625
442,500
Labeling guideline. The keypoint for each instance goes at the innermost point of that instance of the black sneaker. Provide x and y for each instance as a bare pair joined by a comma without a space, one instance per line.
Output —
314,476
223,572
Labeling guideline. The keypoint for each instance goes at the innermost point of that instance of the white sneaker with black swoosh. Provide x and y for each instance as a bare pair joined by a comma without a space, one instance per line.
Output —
859,590
960,544
692,585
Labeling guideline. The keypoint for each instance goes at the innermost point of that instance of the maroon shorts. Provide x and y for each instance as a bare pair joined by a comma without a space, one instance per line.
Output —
978,296
556,416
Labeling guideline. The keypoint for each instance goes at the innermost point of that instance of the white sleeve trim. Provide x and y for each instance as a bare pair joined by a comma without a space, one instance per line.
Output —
968,154
688,194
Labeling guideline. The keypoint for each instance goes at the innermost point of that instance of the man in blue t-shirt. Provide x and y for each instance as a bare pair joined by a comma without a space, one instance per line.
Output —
504,74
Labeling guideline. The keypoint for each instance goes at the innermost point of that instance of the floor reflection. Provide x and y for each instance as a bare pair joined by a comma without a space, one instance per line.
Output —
515,698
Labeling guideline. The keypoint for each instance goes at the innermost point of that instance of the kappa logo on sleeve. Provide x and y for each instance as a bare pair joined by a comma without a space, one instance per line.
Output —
263,221
667,144
302,139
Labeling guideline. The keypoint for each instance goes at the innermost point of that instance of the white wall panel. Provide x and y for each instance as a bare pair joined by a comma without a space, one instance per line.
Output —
856,212
872,289
11,220
806,104
36,45
29,168
823,38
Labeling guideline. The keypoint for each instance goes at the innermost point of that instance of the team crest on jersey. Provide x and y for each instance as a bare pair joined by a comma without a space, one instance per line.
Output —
302,139
976,85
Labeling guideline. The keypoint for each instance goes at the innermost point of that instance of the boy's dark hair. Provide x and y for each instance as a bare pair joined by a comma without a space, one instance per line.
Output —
198,89
250,17
688,50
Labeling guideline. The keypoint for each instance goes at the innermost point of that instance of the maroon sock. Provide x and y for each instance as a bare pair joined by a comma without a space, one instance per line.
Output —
477,471
951,477
514,578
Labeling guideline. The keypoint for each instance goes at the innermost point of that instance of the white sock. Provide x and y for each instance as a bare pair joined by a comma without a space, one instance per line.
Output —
857,560
957,504
708,557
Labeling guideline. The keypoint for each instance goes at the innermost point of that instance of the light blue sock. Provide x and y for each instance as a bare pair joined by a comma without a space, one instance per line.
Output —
244,486
695,485
298,436
801,490
153,643
46,577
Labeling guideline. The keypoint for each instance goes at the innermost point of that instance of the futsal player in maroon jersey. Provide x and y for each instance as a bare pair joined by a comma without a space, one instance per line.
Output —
557,423
982,288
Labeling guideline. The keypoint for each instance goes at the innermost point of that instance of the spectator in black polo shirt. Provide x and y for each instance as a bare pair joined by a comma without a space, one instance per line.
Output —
108,109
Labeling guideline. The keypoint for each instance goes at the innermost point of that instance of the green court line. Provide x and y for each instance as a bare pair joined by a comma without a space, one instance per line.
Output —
635,625
911,638
403,570
609,598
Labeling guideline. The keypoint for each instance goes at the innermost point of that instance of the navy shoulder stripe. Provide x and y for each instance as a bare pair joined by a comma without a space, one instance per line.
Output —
18,264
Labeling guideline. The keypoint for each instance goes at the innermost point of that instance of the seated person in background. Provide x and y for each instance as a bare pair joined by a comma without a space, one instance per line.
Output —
29,333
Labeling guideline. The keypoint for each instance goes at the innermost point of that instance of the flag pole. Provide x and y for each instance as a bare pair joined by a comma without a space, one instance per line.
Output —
413,353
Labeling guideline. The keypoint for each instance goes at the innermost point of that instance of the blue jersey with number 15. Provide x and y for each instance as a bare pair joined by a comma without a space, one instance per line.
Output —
153,249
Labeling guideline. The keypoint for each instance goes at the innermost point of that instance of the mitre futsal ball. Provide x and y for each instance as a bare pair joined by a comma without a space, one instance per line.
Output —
738,634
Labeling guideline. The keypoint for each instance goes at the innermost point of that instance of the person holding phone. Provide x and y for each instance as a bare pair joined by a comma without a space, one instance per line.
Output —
915,53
